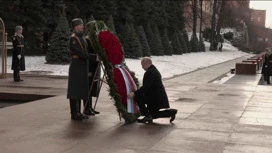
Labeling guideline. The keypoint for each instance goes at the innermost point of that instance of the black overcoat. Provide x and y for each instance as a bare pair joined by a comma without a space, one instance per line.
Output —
18,49
78,81
153,90
267,65
94,68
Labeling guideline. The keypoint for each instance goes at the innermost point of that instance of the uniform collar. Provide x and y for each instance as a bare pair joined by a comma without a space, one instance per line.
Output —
79,34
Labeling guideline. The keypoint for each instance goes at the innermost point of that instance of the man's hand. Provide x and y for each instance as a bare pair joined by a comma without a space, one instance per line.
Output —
19,56
130,95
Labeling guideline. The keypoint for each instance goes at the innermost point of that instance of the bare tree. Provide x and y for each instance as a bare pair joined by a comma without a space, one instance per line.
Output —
201,18
221,16
213,25
188,14
194,2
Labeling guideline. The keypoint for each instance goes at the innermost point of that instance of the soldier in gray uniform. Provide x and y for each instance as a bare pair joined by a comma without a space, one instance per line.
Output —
78,81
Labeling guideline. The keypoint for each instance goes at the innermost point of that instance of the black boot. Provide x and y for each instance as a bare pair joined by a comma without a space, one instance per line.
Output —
91,106
16,75
96,112
78,107
73,108
87,108
173,114
268,79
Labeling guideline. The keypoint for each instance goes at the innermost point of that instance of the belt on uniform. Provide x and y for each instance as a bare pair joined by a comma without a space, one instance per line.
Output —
75,56
20,45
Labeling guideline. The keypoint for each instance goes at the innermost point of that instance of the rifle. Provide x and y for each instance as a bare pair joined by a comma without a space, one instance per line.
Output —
19,63
91,86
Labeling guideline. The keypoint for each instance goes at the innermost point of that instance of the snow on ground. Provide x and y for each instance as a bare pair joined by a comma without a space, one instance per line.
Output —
180,64
167,65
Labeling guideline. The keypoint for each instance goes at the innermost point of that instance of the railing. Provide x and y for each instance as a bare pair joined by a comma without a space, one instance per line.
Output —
4,50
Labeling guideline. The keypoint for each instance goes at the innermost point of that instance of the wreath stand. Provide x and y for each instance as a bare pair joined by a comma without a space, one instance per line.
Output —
100,83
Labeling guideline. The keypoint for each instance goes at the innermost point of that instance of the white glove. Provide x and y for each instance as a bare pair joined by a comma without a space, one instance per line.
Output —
97,58
19,56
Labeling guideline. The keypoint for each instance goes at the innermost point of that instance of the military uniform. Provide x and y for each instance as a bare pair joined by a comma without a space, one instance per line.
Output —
94,73
18,58
78,81
267,68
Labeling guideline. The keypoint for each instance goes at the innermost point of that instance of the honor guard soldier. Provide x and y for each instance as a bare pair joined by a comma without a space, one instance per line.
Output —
18,58
94,77
267,67
78,80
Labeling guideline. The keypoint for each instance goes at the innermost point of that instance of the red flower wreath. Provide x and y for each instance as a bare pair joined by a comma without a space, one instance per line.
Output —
114,52
112,47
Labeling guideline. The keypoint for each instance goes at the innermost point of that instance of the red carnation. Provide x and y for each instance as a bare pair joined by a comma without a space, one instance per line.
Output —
111,46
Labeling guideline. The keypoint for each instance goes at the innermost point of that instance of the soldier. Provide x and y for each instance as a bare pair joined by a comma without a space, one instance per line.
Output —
267,67
94,75
78,81
18,58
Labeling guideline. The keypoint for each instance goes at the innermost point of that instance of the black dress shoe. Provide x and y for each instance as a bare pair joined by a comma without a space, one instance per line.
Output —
88,112
146,119
84,117
173,114
76,116
96,112
18,80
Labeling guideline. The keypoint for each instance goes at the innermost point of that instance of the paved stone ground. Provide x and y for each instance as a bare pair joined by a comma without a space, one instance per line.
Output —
234,117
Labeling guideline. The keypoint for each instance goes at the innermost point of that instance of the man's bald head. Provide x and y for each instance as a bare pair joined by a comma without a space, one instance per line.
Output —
146,63
147,60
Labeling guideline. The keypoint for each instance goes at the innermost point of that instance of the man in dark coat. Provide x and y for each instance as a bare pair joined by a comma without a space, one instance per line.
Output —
152,97
78,81
18,58
267,67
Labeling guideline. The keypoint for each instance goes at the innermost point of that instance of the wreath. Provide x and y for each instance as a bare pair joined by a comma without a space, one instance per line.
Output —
111,53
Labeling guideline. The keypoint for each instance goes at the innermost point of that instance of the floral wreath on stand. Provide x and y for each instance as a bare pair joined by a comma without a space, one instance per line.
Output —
111,54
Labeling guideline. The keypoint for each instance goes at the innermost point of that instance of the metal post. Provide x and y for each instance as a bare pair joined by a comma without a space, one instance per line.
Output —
4,50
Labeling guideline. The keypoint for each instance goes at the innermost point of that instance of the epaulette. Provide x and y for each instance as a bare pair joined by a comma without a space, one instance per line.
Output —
73,34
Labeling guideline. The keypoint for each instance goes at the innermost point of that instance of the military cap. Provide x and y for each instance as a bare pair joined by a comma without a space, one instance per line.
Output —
77,21
18,28
91,20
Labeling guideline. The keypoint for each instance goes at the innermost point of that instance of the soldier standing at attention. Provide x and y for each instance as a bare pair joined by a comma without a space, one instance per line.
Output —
94,75
18,58
78,81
